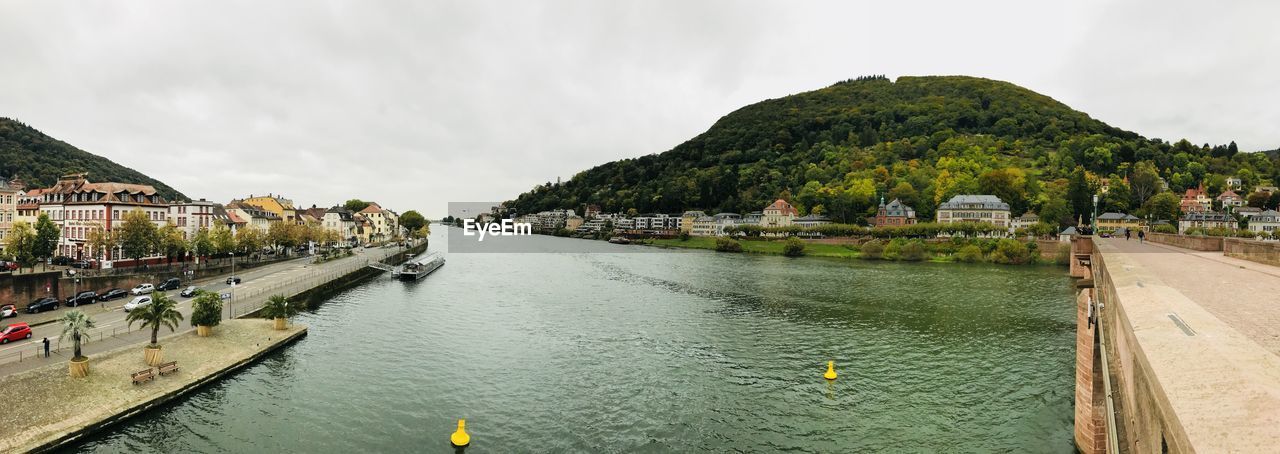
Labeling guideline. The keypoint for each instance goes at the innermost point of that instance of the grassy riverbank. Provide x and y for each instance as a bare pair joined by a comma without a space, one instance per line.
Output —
970,250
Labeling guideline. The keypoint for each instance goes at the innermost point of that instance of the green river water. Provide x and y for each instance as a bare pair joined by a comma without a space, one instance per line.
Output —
670,351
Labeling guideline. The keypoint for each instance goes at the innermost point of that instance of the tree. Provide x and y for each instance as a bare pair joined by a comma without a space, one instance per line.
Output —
285,235
1117,197
1144,182
412,220
222,240
1162,206
100,241
162,312
278,308
170,241
20,245
46,240
76,326
1080,196
138,236
1258,200
355,205
249,240
201,243
1057,213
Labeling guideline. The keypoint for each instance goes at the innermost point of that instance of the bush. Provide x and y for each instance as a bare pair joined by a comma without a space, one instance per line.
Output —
1166,228
206,309
728,245
793,247
969,254
914,251
1011,252
873,249
684,236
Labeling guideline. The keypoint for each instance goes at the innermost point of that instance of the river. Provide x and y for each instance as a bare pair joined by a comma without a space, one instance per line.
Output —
653,352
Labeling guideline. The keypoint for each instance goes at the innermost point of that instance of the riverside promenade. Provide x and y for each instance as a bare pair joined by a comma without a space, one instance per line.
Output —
46,408
111,331
1193,342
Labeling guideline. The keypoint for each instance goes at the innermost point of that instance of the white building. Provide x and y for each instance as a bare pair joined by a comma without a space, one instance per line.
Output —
778,214
191,216
1265,222
79,207
974,208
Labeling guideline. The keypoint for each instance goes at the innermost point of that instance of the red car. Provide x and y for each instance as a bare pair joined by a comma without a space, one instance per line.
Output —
16,331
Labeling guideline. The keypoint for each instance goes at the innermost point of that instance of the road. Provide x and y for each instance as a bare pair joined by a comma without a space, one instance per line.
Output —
111,331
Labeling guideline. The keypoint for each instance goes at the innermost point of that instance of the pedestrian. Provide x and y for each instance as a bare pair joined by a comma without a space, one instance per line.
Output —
46,347
1142,234
1126,234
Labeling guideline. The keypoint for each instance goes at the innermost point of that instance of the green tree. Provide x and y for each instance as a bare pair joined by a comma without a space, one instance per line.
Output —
355,205
100,242
793,247
1162,206
277,306
1080,196
1258,199
201,243
162,312
1143,183
46,241
1117,197
138,236
20,245
249,240
206,309
171,242
412,221
223,241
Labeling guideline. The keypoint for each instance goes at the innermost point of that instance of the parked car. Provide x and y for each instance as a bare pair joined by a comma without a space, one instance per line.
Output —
8,266
61,260
171,284
47,303
16,331
8,310
143,289
233,280
188,292
82,264
115,293
137,303
86,297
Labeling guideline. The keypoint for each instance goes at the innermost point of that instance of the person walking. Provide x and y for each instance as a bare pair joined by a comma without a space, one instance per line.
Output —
1126,234
46,347
1142,234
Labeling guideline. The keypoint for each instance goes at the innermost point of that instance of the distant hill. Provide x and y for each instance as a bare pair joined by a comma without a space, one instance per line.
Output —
837,150
38,160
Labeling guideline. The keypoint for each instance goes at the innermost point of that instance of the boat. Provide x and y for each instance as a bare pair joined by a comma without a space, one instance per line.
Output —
619,240
420,268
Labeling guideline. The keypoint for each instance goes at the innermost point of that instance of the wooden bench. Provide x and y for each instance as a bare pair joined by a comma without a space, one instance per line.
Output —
143,376
168,368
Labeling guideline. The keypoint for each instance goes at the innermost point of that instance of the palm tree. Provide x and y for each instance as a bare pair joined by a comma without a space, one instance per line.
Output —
163,311
76,325
278,308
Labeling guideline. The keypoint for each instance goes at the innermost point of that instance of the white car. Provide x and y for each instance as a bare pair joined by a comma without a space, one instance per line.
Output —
143,289
137,303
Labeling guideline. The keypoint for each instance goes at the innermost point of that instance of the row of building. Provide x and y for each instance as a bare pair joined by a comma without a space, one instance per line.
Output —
780,213
79,206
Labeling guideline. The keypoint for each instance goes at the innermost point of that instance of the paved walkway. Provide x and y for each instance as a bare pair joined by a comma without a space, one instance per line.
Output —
1201,345
1245,295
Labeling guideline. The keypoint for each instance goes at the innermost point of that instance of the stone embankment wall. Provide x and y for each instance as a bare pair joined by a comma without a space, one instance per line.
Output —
1195,243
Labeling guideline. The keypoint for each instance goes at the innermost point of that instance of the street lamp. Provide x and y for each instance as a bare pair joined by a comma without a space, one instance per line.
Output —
1093,222
75,284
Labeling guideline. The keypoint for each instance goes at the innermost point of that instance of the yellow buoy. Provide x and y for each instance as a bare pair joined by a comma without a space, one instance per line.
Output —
460,438
831,371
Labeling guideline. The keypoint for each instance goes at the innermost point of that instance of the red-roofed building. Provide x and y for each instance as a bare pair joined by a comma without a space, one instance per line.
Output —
79,207
1229,198
778,214
1196,201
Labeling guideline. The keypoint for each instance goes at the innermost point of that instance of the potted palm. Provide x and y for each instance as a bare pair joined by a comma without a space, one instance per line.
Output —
163,311
206,313
278,308
76,325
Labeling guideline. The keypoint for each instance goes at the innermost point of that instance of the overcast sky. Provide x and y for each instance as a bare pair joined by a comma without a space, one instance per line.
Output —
416,104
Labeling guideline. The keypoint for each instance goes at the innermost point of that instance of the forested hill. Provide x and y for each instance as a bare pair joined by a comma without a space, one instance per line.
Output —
38,160
922,139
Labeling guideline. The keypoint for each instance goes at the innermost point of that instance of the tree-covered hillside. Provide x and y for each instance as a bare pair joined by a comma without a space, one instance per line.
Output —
921,139
38,160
